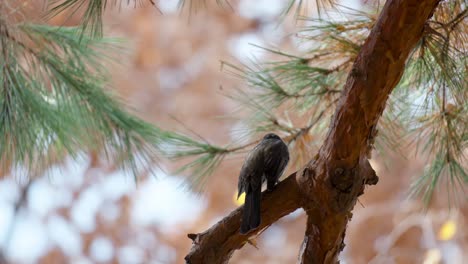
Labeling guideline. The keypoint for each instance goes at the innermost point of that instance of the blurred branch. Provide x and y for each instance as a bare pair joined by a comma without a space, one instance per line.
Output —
337,175
24,190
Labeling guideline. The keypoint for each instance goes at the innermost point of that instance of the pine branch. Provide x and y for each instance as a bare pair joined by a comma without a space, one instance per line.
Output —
300,7
442,165
342,37
434,90
91,22
54,101
293,78
442,134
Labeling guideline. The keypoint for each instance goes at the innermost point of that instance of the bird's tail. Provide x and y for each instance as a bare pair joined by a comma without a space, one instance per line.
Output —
251,214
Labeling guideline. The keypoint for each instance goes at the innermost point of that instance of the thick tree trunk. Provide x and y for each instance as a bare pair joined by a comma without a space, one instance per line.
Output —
338,174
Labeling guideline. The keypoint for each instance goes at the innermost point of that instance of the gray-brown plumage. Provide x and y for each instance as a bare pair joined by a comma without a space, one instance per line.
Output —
266,162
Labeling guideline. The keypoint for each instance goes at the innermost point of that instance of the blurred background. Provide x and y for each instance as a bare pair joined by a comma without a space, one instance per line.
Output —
87,211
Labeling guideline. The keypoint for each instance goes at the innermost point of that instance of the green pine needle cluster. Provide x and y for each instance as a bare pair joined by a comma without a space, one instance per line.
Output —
204,157
54,100
433,95
299,7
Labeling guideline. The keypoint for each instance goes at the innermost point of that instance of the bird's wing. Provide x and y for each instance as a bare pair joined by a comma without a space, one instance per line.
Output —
276,158
252,171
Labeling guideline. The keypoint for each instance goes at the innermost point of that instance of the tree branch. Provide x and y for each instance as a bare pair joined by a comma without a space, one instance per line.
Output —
217,244
342,167
376,71
337,175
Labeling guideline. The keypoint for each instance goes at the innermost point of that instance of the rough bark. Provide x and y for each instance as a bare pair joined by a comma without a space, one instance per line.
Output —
338,174
342,167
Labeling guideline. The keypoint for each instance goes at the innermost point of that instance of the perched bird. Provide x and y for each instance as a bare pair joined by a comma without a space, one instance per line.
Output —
266,162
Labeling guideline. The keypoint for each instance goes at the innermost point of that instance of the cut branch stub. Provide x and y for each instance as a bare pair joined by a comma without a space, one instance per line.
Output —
345,181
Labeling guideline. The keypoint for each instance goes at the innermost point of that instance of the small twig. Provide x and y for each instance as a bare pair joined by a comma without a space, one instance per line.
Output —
242,146
306,129
459,18
316,56
189,129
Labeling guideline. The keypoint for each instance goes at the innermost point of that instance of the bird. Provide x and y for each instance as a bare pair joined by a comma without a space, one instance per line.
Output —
265,162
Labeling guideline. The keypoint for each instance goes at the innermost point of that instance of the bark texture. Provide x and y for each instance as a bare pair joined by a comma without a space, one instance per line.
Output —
329,185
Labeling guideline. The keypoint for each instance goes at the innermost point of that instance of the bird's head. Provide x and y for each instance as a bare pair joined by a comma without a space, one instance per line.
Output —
271,136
